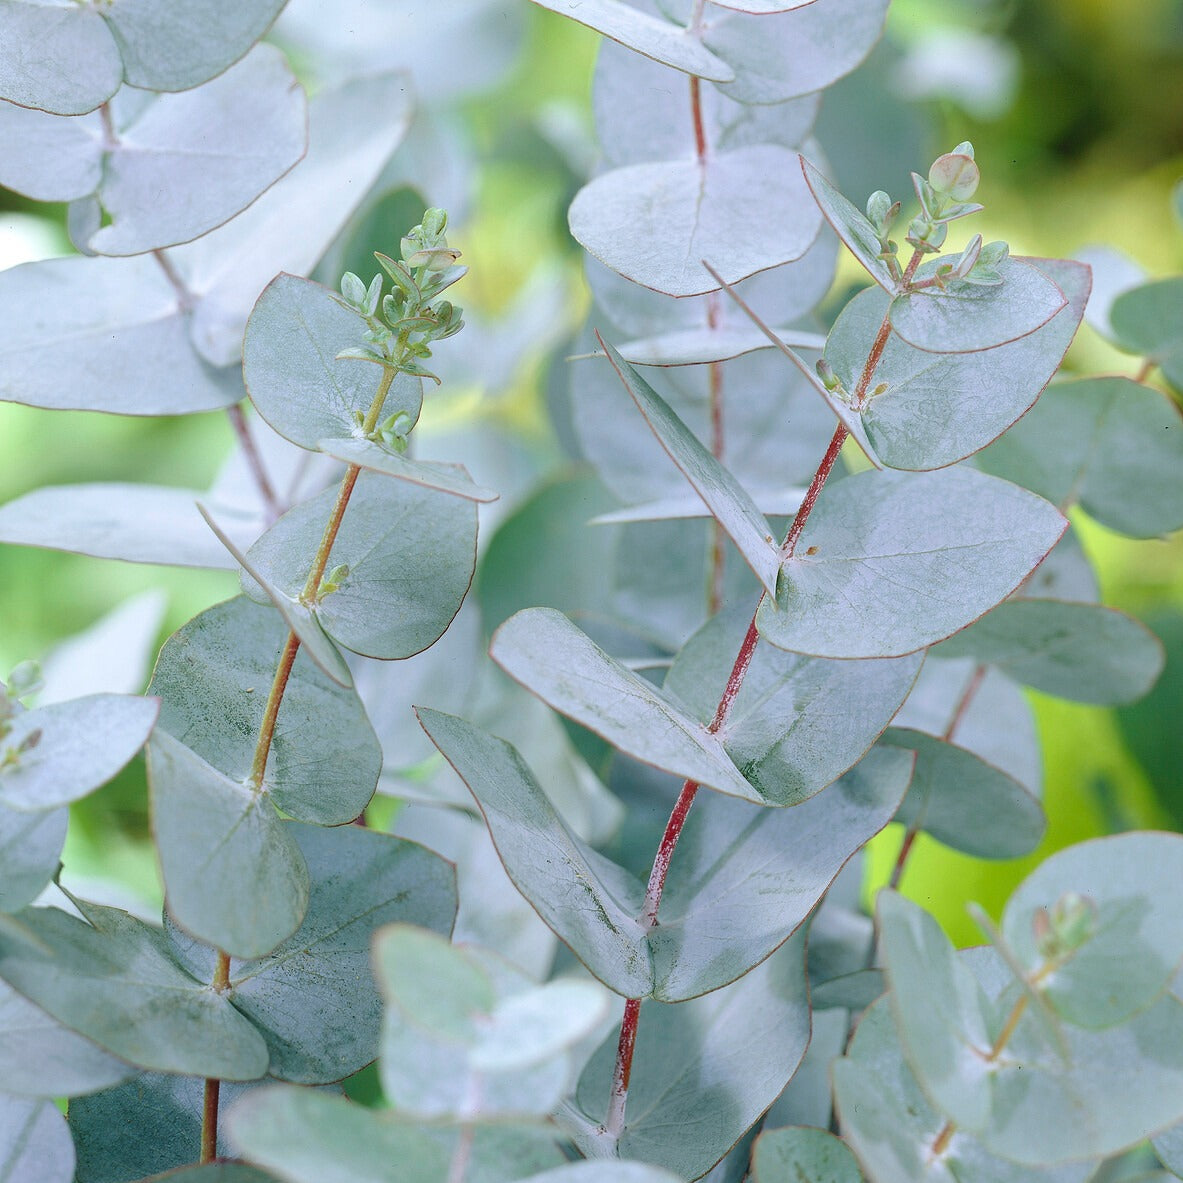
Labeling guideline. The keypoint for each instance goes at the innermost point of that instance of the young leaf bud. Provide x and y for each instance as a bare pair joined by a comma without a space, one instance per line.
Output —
954,176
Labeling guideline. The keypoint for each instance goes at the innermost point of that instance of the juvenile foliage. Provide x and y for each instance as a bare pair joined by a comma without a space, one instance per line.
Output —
815,622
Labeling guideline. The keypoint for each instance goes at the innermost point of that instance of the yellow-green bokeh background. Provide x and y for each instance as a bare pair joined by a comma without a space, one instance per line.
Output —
1087,152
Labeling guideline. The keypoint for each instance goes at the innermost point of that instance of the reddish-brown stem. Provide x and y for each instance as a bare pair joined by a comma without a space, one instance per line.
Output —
700,139
1144,370
271,710
614,1121
316,573
735,680
815,487
665,852
967,696
209,1107
254,461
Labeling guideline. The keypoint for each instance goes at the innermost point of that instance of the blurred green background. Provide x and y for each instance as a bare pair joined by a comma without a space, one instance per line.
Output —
1075,108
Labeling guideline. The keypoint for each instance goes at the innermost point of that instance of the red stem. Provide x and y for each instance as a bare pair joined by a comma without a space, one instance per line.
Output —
254,461
815,486
614,1122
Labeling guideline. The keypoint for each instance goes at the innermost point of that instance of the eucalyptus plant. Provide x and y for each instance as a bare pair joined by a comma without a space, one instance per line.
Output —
827,561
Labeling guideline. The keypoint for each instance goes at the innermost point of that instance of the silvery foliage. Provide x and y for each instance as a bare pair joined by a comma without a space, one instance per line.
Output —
866,669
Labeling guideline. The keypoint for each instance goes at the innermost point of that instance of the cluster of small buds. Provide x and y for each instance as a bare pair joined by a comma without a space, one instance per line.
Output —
24,680
1070,923
413,316
944,197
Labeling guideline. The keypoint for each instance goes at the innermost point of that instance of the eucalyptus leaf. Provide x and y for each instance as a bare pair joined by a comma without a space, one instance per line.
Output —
791,53
186,163
911,558
851,225
964,318
546,861
175,49
291,368
738,1046
743,211
797,722
114,981
35,1145
1136,941
892,1126
77,65
965,802
447,478
136,523
233,875
292,225
50,157
655,38
73,748
727,499
143,1126
303,1136
1169,1148
30,851
410,553
298,615
927,410
803,1155
553,659
1081,652
123,349
314,999
467,1037
941,1011
720,914
40,1057
1145,321
997,722
1111,444
662,128
214,676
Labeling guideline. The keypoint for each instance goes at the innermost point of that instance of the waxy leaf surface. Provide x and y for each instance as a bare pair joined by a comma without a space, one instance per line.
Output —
77,64
743,211
468,1036
447,478
1110,444
1146,321
560,664
891,1125
291,369
965,802
35,1145
889,563
82,744
797,722
30,850
927,410
292,225
791,53
41,1057
123,349
305,1136
410,552
214,676
720,914
233,875
314,998
803,1155
136,523
1137,944
741,1044
114,981
658,39
726,498
942,1013
851,225
1082,652
962,318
